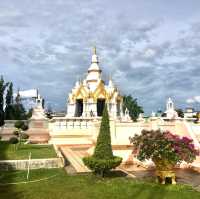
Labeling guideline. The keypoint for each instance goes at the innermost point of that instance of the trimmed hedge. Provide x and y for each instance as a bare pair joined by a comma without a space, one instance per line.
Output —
101,166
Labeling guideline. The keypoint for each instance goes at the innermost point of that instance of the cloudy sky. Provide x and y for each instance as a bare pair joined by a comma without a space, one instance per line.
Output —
150,47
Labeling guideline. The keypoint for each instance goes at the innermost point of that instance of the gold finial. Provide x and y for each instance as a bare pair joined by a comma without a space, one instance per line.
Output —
94,50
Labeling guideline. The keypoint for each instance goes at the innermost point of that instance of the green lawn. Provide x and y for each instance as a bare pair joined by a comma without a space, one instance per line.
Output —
87,187
7,151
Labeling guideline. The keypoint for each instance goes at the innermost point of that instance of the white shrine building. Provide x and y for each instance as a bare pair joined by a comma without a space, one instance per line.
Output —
88,97
85,105
170,110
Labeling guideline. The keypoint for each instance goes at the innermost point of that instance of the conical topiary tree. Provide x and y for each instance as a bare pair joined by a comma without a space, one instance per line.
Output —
103,160
103,149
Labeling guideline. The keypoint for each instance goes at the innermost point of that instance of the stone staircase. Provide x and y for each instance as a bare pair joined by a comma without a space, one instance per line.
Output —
71,137
192,134
196,164
74,156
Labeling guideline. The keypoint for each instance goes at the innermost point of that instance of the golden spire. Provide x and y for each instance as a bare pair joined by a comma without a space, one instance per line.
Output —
94,55
94,50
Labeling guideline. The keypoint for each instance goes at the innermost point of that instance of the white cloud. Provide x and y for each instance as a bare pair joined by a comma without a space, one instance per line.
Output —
190,101
149,53
197,99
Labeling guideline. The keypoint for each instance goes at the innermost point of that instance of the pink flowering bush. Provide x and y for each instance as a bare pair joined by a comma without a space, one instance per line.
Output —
164,148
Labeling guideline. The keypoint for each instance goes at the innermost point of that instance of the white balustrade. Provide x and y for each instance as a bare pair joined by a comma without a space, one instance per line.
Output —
65,124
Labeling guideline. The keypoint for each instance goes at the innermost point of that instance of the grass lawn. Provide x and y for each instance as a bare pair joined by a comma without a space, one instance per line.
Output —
64,186
7,151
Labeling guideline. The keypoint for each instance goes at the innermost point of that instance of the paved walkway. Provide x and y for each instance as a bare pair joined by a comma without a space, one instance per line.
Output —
74,156
196,164
184,176
188,176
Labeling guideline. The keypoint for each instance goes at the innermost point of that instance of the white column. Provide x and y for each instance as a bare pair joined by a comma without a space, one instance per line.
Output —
94,108
121,109
71,110
85,114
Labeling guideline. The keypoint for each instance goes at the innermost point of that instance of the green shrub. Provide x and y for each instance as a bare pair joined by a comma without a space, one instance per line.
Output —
16,132
103,160
19,124
24,127
13,140
24,136
102,166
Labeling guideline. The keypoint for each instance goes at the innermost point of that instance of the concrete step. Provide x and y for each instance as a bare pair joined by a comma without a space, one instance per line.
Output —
75,158
71,141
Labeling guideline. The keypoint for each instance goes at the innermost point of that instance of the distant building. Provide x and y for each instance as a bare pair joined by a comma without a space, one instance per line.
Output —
30,98
59,114
190,112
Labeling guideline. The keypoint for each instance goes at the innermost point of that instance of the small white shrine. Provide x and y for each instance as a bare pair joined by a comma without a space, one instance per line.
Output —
88,97
170,110
38,110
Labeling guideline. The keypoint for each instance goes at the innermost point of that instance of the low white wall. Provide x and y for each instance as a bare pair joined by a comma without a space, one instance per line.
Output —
122,131
61,131
34,164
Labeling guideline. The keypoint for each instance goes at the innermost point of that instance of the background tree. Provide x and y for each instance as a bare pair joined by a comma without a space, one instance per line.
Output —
164,114
21,127
180,113
3,86
103,159
197,117
9,110
131,104
19,110
49,112
159,113
30,113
